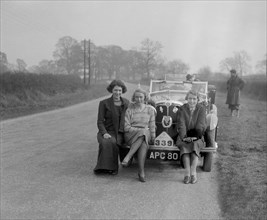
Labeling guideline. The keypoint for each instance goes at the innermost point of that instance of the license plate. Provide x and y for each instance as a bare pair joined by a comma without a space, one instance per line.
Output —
162,155
163,148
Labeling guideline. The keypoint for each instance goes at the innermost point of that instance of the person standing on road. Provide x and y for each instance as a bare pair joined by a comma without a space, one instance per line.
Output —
139,130
191,127
110,123
234,85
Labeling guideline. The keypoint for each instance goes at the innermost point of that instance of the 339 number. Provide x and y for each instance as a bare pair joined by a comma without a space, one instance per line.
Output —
163,143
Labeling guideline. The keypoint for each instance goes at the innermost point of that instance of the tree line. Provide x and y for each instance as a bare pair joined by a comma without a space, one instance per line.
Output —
83,57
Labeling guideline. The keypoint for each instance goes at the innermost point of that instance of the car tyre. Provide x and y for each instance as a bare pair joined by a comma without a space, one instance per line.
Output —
207,161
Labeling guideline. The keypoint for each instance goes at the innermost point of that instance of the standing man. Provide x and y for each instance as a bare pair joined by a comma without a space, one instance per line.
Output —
234,85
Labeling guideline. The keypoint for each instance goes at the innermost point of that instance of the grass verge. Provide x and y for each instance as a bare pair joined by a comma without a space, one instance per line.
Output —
241,163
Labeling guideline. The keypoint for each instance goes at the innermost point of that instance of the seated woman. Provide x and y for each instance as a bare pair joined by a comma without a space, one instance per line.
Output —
139,130
191,128
110,122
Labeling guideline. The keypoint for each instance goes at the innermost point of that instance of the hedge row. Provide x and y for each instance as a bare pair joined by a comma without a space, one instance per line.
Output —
255,89
28,89
49,84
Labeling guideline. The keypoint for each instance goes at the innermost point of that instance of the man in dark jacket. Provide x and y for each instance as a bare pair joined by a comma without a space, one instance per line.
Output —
234,85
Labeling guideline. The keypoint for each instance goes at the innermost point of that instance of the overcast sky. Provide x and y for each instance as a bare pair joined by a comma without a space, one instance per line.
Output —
200,33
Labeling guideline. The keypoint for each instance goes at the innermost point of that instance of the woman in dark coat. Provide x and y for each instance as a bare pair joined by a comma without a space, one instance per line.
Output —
234,86
191,128
110,123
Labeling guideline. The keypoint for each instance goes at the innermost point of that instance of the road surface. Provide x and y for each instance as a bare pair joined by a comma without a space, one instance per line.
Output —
47,163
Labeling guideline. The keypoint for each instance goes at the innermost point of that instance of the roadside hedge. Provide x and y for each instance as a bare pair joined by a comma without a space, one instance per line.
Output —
24,89
49,84
255,89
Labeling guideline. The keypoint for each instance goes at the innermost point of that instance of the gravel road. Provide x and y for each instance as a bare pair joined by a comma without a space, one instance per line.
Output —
47,163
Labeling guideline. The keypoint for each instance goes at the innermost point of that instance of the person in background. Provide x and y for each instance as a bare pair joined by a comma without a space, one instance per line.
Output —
139,130
110,123
234,85
191,77
191,128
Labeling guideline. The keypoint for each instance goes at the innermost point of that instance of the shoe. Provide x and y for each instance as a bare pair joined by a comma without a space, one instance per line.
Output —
186,179
96,172
99,171
125,164
113,172
232,113
193,179
141,178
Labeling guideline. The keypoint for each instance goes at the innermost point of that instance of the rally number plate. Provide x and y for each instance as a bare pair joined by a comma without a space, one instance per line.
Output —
163,140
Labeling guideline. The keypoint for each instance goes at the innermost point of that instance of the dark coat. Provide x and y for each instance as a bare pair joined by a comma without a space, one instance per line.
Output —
197,121
197,124
234,86
108,119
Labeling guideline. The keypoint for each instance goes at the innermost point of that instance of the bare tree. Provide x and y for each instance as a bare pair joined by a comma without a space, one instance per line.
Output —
239,62
133,63
242,59
261,66
69,54
115,59
47,66
227,64
3,62
103,64
151,51
177,67
21,65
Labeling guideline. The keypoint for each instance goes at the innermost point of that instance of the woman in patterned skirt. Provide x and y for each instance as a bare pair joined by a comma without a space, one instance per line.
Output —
139,130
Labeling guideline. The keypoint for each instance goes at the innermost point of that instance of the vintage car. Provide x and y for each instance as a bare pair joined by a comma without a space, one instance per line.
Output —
167,98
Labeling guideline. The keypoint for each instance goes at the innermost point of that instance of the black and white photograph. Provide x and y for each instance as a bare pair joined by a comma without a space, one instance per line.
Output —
135,109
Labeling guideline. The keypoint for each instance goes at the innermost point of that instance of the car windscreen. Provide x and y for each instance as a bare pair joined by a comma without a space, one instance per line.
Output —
176,90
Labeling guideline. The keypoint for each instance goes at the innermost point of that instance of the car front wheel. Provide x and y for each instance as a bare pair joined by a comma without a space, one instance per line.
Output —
207,161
